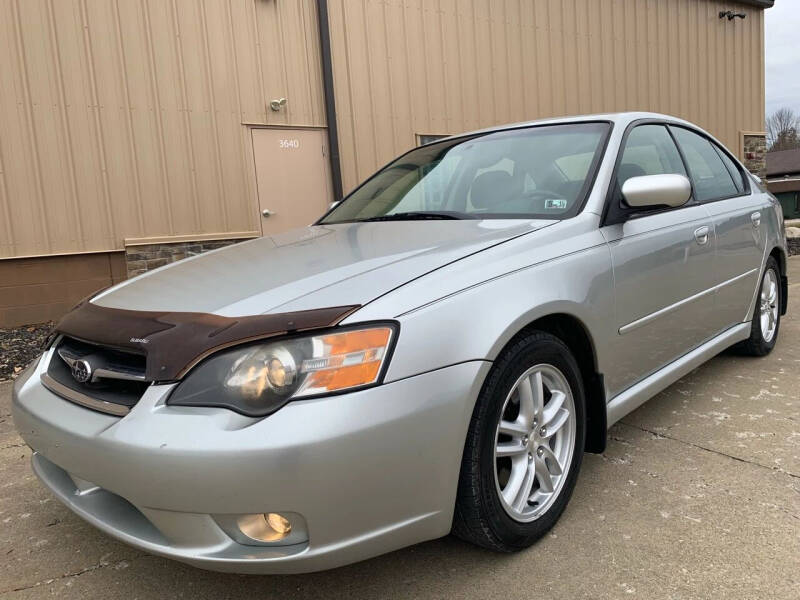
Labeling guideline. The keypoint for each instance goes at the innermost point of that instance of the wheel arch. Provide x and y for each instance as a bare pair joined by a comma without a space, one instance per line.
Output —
576,335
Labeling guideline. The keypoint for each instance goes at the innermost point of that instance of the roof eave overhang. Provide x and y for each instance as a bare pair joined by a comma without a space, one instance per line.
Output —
759,3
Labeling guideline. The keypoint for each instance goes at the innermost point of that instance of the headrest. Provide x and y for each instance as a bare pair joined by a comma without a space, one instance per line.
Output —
490,188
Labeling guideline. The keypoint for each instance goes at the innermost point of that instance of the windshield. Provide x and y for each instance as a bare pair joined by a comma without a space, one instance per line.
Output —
536,172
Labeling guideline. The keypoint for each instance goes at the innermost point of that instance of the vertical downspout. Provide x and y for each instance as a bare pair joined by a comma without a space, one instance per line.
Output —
330,102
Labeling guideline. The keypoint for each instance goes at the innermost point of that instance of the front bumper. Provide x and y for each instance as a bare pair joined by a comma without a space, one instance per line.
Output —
370,471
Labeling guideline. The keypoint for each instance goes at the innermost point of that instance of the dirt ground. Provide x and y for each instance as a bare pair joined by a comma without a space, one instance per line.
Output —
697,496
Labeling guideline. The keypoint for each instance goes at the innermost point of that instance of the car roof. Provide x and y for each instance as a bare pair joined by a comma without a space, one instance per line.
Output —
621,118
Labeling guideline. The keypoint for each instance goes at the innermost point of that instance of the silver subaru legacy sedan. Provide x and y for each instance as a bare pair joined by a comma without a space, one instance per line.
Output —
434,355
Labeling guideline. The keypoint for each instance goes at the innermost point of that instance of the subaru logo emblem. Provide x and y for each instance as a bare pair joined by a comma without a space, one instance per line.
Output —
81,371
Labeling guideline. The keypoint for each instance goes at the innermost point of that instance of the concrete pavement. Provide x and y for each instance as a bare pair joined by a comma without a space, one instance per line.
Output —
697,496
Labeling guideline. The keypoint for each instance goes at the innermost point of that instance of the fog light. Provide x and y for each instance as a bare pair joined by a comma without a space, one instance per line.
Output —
279,523
265,527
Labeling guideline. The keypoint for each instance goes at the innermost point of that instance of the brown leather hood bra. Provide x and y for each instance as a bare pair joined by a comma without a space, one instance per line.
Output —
173,342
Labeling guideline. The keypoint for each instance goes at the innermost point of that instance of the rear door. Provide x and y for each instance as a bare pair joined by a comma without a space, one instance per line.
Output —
720,185
661,260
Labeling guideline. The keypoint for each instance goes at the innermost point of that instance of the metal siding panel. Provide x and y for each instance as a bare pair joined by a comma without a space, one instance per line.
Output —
15,176
434,109
400,76
239,191
126,118
340,47
141,127
198,105
218,71
114,117
451,66
154,101
32,187
527,25
241,28
582,89
271,55
364,126
701,10
168,88
313,62
598,83
516,82
78,123
378,64
452,76
75,222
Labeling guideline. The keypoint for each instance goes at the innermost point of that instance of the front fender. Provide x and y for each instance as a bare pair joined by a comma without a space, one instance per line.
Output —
475,322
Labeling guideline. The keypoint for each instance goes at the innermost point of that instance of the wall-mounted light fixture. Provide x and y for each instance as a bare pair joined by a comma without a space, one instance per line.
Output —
277,104
731,15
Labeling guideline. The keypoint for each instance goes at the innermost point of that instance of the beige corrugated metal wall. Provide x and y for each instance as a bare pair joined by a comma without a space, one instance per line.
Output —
406,67
124,118
127,118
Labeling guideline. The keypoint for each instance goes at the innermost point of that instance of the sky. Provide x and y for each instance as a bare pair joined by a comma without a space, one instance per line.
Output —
782,48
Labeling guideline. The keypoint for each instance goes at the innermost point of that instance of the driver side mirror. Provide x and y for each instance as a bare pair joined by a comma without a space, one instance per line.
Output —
652,191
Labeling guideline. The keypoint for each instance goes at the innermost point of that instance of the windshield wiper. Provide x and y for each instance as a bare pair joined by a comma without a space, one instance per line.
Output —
420,216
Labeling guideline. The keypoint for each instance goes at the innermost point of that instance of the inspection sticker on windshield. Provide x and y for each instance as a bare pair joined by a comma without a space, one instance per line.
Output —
555,204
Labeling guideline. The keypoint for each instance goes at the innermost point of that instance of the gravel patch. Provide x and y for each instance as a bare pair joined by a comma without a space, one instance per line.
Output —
19,346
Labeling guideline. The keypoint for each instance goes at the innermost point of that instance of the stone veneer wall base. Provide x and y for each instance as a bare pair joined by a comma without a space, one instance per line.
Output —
754,147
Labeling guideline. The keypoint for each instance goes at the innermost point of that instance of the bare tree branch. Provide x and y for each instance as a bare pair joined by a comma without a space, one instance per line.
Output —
783,130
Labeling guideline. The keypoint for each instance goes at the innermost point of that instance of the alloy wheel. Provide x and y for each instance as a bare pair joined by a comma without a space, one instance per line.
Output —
534,442
769,305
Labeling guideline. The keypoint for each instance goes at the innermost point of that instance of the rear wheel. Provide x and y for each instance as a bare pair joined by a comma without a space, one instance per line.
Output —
767,315
524,446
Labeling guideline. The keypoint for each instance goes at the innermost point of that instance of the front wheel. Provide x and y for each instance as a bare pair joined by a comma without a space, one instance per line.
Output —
524,446
767,315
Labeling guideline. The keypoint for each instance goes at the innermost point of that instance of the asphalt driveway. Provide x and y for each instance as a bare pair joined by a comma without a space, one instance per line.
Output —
697,496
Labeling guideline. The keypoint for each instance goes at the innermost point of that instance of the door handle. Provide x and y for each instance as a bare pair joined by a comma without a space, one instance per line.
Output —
755,218
266,212
701,235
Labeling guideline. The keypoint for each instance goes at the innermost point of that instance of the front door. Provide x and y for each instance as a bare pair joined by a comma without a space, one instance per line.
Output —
662,261
293,177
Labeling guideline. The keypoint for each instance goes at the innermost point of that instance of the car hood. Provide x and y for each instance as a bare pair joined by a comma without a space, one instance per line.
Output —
313,267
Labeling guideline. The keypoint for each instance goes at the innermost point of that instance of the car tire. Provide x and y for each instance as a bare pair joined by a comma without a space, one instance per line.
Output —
766,321
490,511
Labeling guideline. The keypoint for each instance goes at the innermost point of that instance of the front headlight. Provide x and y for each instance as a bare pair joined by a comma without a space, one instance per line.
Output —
257,380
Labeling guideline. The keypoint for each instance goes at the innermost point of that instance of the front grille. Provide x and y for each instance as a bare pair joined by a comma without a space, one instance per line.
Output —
100,378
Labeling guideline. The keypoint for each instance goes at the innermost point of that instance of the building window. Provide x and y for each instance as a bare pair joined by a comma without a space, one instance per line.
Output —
423,139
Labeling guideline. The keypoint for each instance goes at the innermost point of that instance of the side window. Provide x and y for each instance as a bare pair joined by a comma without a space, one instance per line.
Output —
649,150
733,169
711,177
